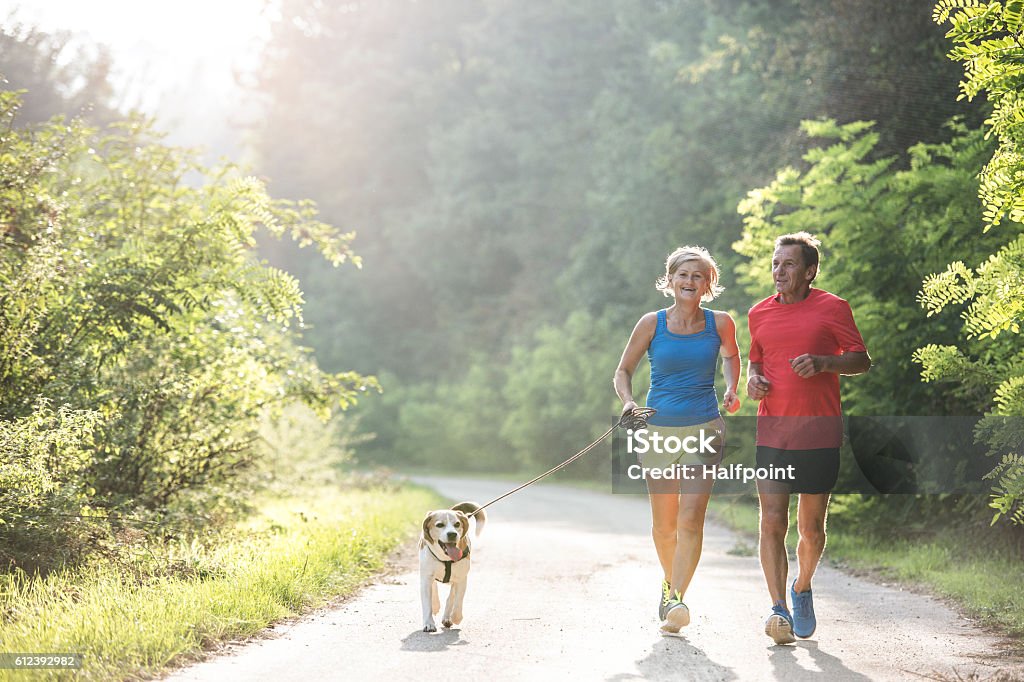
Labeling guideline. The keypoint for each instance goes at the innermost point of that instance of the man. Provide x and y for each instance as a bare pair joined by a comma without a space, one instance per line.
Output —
801,340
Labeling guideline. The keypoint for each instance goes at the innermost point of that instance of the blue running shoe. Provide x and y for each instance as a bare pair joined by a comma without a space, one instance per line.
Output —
779,625
803,612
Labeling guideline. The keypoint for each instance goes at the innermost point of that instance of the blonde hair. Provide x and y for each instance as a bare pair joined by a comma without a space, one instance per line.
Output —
682,255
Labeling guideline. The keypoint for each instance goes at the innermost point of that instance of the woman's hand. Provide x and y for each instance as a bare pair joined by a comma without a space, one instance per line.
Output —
731,401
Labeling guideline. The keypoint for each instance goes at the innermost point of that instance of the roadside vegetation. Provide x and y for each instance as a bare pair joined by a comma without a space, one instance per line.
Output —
173,461
164,603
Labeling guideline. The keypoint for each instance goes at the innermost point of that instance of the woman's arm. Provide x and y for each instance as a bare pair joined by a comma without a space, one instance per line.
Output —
730,353
638,343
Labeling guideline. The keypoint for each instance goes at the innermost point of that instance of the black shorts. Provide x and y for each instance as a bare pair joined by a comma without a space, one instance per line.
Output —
814,471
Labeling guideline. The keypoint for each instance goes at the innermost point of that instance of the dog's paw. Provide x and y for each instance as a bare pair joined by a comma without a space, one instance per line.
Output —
446,623
429,627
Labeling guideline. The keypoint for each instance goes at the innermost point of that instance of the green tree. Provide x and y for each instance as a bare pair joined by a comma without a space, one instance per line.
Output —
987,39
55,77
455,424
559,393
882,230
509,164
134,299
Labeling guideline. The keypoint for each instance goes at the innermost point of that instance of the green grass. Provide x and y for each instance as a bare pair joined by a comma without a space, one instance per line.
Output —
983,580
172,602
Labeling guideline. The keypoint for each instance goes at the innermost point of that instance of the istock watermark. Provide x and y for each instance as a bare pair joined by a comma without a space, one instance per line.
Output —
642,441
880,455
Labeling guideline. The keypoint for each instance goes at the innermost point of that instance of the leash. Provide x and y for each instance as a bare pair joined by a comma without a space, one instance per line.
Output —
634,419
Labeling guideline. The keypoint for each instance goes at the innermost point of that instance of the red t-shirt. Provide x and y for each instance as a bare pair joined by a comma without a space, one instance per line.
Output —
797,413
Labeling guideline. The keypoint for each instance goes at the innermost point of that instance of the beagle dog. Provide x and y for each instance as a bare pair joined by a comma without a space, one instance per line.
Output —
444,557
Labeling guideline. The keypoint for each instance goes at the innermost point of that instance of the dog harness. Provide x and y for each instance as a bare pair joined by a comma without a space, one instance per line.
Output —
448,565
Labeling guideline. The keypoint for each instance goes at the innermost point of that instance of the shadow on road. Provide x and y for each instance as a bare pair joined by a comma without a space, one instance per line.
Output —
786,666
426,642
675,658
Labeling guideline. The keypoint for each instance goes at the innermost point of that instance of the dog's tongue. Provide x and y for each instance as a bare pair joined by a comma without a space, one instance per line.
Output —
453,552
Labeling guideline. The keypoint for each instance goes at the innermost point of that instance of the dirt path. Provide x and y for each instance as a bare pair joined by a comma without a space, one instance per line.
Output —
565,585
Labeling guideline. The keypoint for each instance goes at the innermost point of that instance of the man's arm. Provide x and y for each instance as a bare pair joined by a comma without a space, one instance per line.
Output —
847,364
757,385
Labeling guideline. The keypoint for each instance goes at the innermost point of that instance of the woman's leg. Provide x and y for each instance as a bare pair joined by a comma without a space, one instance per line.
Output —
664,498
693,506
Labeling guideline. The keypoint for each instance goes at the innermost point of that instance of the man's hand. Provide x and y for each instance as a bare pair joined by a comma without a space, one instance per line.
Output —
807,365
628,407
757,386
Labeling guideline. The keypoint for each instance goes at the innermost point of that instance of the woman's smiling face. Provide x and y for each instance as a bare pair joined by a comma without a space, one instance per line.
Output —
690,280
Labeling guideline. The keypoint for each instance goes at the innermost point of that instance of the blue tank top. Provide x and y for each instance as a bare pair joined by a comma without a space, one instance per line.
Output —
683,374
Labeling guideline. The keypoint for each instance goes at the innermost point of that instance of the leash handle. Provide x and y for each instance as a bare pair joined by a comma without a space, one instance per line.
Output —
634,419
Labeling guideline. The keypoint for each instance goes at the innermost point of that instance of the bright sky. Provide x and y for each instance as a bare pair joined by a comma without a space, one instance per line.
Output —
160,47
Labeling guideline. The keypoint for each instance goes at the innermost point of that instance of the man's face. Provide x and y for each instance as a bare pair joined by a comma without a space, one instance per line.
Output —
791,274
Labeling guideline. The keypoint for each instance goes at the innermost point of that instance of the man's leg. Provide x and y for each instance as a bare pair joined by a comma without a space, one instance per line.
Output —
811,512
772,540
774,562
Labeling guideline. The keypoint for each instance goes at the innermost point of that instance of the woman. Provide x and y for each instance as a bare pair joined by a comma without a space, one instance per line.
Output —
683,343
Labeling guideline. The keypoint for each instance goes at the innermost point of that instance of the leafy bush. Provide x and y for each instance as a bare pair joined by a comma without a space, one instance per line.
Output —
134,305
44,499
986,39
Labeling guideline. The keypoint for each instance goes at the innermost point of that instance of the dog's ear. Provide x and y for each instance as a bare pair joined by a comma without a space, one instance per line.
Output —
463,527
427,521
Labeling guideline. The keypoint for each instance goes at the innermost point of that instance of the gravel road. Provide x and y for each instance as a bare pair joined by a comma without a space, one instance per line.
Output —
564,585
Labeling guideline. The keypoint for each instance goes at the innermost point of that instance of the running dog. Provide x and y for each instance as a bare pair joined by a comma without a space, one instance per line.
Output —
444,557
